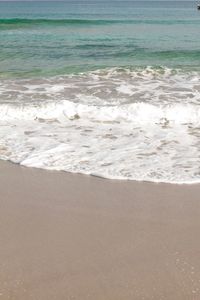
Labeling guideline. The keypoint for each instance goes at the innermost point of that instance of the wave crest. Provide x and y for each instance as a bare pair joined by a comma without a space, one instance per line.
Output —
138,113
52,22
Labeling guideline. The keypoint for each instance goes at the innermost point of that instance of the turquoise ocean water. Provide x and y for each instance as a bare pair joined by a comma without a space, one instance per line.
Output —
106,88
48,38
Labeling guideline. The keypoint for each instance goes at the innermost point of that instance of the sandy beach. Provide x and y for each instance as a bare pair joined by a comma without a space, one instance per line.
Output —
111,89
66,236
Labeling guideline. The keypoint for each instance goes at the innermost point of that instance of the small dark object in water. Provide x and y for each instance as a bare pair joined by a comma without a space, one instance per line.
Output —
198,6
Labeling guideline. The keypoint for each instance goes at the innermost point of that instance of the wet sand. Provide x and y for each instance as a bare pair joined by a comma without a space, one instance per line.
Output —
65,236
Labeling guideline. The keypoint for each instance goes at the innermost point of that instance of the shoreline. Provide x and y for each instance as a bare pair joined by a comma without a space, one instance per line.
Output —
101,177
70,236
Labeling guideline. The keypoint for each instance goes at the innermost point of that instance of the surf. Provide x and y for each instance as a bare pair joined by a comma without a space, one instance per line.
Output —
107,123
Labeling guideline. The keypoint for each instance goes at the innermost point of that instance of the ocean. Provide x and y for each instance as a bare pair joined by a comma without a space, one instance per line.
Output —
104,88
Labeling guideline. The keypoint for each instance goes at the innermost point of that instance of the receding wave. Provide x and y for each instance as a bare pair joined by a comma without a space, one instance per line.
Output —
135,141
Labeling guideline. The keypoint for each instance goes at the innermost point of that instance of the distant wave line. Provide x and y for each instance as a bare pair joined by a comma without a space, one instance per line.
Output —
40,21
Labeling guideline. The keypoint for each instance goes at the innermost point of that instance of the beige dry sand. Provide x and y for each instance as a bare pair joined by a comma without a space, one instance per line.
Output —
65,236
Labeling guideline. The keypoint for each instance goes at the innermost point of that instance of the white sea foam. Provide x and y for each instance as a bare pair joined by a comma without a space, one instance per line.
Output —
122,124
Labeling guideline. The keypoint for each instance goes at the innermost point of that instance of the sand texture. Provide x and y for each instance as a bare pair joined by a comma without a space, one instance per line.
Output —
65,236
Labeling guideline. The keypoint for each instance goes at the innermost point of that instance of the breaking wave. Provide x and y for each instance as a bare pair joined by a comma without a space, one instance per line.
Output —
141,124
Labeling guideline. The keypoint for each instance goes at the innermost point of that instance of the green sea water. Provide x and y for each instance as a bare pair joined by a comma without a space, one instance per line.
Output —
55,38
